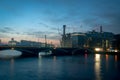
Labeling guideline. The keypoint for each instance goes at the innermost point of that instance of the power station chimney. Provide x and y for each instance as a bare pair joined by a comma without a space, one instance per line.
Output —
101,29
64,28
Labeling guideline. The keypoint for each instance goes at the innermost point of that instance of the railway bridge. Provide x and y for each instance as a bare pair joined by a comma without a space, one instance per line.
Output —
34,51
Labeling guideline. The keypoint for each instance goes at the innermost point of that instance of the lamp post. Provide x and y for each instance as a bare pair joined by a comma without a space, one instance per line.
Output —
45,41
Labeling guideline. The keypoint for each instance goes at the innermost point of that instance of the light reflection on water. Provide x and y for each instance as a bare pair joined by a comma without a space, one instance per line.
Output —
97,66
116,58
81,67
106,56
12,68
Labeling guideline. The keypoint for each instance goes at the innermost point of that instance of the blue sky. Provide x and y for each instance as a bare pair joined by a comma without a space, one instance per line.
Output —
32,19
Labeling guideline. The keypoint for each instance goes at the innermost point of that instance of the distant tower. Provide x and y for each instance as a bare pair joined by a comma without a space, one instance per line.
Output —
12,39
64,28
101,29
63,36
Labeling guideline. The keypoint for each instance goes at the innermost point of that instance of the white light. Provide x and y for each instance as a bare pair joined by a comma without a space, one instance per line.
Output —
98,49
97,56
45,53
116,50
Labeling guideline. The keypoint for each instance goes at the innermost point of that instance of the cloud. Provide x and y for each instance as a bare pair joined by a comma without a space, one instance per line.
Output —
6,30
41,34
113,22
44,25
105,14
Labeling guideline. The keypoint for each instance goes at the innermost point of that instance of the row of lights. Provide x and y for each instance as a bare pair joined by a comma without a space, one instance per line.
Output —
109,50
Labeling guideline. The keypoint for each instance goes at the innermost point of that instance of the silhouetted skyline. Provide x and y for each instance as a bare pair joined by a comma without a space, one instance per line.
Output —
32,19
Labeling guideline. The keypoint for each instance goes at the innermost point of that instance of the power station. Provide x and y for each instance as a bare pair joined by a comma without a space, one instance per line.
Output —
91,39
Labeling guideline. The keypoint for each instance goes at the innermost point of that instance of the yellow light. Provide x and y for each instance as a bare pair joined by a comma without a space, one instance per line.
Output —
97,49
97,66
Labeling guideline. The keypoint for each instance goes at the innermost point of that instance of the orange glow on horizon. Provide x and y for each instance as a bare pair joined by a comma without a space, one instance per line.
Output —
49,41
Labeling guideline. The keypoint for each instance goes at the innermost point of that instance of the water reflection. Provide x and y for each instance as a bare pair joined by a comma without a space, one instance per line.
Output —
97,66
12,64
116,58
54,58
80,67
12,68
39,61
106,57
86,55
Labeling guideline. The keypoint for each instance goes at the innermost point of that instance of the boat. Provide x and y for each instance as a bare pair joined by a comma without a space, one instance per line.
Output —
45,53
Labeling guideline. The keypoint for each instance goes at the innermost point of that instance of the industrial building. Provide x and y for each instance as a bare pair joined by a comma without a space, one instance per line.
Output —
100,39
91,39
66,40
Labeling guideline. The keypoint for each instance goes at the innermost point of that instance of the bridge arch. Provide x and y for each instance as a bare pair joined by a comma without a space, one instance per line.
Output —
46,49
81,51
77,51
27,53
60,52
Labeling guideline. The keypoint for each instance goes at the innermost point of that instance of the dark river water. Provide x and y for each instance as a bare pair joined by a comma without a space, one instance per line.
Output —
79,67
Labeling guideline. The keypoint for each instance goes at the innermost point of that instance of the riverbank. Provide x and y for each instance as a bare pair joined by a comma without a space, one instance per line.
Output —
112,53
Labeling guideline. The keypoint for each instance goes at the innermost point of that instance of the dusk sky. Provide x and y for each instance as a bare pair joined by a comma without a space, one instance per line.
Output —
32,19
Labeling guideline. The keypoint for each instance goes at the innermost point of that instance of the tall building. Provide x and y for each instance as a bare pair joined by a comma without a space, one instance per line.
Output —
78,40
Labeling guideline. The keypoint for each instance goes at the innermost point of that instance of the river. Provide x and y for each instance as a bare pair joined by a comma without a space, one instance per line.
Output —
79,67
